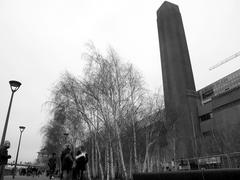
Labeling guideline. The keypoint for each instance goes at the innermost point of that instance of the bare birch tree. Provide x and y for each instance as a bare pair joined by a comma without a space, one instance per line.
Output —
102,110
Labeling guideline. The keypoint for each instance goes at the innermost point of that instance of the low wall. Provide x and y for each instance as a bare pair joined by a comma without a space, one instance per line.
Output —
7,172
220,174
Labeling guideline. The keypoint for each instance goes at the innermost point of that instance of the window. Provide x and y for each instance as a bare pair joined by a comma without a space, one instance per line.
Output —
206,116
207,94
207,133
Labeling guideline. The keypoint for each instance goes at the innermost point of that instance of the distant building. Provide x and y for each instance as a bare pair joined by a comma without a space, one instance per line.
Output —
219,115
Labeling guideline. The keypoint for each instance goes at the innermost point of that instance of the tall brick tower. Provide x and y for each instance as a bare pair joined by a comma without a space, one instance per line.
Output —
178,82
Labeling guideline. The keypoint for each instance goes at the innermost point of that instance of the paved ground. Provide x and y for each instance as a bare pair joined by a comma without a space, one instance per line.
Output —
27,178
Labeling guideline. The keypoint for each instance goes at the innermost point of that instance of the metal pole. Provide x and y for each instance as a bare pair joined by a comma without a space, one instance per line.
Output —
14,87
7,118
4,133
15,166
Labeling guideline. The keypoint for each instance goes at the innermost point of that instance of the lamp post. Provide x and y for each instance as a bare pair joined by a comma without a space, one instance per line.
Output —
15,166
14,85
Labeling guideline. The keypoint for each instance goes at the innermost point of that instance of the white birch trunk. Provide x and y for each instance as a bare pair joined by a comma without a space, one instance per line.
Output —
107,158
146,154
136,168
107,162
111,162
145,161
88,172
130,165
93,158
100,164
96,156
120,151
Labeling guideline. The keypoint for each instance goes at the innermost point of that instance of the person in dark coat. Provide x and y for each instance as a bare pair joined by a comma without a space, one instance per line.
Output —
52,162
4,155
67,163
81,162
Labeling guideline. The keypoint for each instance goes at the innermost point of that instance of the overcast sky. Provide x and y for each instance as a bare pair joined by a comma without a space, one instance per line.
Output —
40,39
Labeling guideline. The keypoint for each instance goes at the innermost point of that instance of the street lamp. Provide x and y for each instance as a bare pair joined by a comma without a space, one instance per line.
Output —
14,85
15,166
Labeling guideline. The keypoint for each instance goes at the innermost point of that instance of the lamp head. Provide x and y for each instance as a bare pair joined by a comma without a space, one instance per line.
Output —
22,128
14,85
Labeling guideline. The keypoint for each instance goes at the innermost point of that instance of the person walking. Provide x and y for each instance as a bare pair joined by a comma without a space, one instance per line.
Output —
67,163
52,162
4,156
81,162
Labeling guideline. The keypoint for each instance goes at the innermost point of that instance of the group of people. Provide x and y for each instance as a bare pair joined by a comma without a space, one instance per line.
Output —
72,166
30,171
4,156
